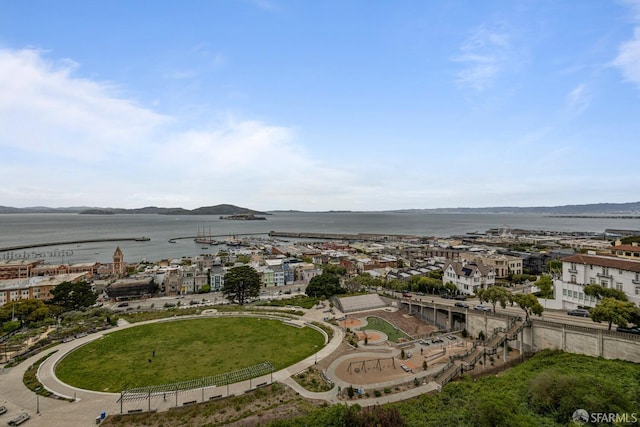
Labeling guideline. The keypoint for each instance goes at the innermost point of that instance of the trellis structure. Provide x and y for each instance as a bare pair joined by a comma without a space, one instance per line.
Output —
226,378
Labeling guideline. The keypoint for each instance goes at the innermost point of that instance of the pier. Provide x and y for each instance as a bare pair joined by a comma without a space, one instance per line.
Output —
342,236
73,242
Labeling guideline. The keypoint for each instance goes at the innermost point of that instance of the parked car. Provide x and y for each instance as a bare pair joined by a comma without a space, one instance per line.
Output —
460,297
580,312
461,304
481,307
629,329
3,409
436,340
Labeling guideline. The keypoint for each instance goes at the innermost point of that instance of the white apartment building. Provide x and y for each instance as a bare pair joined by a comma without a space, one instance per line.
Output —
610,272
468,277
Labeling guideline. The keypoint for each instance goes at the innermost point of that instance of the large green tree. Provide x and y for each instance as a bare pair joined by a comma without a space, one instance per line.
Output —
241,284
27,310
612,310
545,284
601,292
73,296
529,303
494,295
324,285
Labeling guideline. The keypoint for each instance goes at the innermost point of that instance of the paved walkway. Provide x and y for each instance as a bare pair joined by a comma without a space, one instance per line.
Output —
87,405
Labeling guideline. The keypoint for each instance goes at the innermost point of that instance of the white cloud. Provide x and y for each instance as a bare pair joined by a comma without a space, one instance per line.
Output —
628,59
72,141
484,54
579,99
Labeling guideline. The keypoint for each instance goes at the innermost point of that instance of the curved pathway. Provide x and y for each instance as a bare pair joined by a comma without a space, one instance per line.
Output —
89,404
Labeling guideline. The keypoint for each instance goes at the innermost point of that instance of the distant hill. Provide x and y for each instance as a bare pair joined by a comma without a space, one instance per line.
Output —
206,210
598,209
595,209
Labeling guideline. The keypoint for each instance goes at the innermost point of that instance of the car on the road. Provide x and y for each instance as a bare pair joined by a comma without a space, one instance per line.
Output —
461,304
435,340
580,312
123,304
481,307
629,329
3,409
451,337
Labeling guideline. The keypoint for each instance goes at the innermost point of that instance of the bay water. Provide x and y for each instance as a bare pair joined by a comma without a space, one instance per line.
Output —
23,229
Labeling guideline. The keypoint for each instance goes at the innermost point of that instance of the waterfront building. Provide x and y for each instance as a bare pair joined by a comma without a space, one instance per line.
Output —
17,269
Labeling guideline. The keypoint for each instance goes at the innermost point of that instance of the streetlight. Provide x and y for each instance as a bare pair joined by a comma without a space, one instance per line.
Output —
37,391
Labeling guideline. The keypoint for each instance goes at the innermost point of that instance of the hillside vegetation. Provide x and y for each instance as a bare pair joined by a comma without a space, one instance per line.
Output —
544,391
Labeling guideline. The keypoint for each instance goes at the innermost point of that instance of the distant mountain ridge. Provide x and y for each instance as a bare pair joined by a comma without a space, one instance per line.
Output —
632,208
224,209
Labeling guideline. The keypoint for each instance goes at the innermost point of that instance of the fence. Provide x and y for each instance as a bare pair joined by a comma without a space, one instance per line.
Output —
146,393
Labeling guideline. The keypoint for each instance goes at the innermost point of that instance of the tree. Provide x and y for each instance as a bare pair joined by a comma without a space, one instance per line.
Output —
27,310
494,295
601,292
529,303
545,285
324,285
612,310
337,270
73,296
241,283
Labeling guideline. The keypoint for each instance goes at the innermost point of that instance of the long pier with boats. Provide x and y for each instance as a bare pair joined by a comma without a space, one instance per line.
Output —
74,242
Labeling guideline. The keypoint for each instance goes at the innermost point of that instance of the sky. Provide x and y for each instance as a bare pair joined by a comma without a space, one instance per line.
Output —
319,105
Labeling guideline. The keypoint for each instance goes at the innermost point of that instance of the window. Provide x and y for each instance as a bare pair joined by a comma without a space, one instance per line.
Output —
592,281
573,278
637,290
605,271
604,283
619,286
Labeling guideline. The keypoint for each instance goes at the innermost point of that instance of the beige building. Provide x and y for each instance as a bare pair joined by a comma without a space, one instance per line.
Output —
503,265
631,251
35,287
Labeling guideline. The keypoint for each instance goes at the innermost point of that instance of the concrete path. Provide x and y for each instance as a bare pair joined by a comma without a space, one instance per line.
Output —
87,405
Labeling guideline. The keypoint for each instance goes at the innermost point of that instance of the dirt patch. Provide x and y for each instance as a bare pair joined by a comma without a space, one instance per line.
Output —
409,324
364,370
350,323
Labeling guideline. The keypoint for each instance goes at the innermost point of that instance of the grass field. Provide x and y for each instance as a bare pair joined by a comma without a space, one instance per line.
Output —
383,326
184,349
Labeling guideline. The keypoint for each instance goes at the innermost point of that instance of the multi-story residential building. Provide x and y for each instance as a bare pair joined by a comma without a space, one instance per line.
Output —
172,284
631,251
267,276
35,287
610,272
188,279
278,275
201,279
503,265
216,278
468,277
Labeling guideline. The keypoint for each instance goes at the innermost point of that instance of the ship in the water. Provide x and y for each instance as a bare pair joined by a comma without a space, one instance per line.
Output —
205,238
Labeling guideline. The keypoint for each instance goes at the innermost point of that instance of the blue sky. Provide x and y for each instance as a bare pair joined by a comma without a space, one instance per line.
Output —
318,105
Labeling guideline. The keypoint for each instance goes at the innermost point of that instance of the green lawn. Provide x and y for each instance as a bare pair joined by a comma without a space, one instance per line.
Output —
382,325
184,349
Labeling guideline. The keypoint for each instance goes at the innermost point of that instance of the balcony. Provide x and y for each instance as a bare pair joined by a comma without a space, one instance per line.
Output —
605,276
573,270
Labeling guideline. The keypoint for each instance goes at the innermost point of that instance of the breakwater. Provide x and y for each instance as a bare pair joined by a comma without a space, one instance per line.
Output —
72,242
